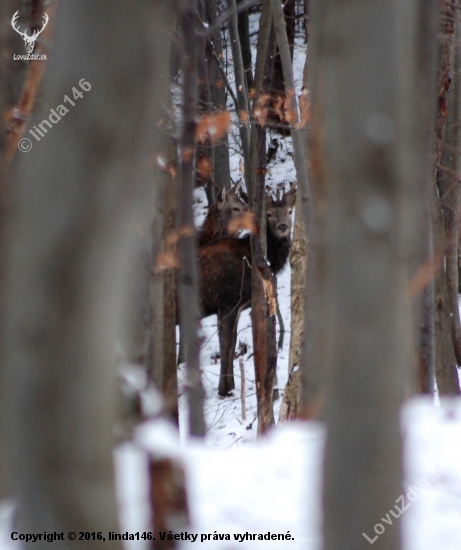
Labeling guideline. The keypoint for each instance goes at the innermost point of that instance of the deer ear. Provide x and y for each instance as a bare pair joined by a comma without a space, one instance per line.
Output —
220,198
290,196
237,188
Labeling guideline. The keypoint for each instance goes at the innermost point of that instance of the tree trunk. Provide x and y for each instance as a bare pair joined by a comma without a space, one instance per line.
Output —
161,359
450,190
221,168
244,35
427,344
367,159
72,236
264,342
298,255
445,362
443,217
188,275
242,92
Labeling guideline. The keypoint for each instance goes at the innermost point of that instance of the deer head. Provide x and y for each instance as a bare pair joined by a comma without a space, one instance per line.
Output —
279,212
232,204
29,40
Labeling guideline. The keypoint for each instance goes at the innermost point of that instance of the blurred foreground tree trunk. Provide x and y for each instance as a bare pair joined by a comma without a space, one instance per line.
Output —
445,205
80,193
187,246
19,87
371,152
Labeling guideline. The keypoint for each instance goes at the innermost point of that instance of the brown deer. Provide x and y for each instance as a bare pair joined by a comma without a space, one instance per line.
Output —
225,277
227,206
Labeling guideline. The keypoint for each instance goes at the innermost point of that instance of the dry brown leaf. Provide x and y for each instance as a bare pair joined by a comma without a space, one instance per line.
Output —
204,167
304,107
164,165
213,126
246,221
167,259
171,239
424,275
187,154
279,107
270,296
186,231
260,111
243,116
263,100
290,112
260,115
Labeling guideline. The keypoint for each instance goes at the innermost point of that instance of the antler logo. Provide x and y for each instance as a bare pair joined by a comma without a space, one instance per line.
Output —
29,40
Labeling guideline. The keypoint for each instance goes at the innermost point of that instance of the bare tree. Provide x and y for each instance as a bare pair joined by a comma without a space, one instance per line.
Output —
76,193
214,56
368,158
445,207
188,276
263,327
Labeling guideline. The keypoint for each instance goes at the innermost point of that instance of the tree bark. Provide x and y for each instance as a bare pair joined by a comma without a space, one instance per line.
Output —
242,92
161,359
427,344
264,345
445,362
77,195
221,168
244,35
298,255
264,342
188,274
442,218
450,191
168,500
367,162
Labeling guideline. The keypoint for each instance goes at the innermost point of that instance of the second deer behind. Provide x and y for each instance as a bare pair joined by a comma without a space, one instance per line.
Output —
225,277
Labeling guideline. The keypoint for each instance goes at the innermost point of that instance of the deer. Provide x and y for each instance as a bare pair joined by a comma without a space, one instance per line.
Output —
227,206
225,277
29,40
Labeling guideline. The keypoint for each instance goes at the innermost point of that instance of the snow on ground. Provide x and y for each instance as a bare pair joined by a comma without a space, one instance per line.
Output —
274,485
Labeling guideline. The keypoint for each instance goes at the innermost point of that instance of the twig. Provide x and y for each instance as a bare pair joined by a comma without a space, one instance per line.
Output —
209,29
281,324
226,81
242,388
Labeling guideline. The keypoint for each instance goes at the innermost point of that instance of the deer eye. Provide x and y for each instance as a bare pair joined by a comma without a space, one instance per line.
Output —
269,215
235,209
289,212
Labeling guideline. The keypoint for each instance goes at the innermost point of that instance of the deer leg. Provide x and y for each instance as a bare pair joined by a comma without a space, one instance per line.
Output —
227,330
